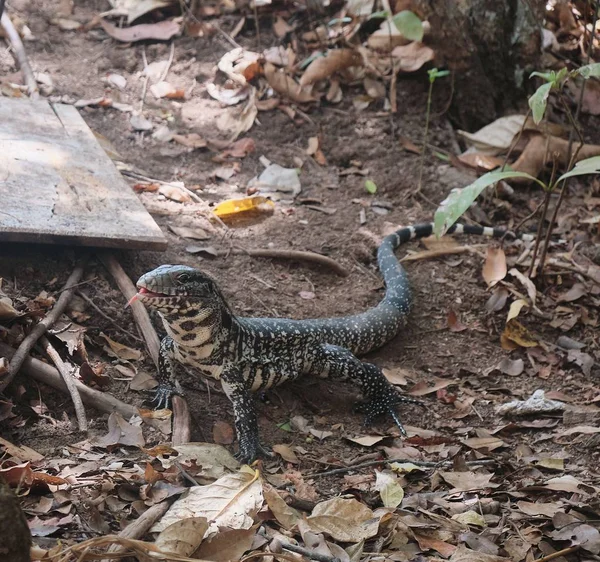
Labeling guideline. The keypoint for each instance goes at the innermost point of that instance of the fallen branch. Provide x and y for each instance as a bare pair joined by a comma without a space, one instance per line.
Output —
310,554
137,308
46,374
66,374
42,326
425,464
289,255
18,49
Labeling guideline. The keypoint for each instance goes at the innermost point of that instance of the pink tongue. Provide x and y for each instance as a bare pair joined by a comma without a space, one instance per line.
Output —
132,299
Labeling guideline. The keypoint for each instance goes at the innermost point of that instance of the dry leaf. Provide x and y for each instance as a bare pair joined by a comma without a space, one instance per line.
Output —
468,481
526,282
121,432
182,537
494,269
367,440
160,31
287,516
223,433
411,57
286,86
515,332
454,324
480,161
345,520
232,501
191,140
226,545
334,61
422,388
286,452
120,351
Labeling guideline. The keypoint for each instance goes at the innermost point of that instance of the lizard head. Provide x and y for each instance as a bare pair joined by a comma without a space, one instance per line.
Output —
173,288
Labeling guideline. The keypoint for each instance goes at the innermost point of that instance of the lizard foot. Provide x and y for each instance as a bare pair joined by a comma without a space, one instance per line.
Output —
385,404
162,396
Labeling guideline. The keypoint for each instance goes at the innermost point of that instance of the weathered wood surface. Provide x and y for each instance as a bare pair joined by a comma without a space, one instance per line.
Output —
58,186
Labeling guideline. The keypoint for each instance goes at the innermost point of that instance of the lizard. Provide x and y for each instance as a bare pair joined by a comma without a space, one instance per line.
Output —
254,354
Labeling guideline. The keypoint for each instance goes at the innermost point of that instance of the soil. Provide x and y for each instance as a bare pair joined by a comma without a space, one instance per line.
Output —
425,350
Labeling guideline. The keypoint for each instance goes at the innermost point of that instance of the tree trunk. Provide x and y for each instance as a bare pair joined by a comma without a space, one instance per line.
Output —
491,47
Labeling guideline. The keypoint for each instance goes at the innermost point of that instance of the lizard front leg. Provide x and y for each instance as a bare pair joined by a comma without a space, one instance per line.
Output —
246,423
166,374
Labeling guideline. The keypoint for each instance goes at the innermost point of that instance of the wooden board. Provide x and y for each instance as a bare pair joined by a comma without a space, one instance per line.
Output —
58,186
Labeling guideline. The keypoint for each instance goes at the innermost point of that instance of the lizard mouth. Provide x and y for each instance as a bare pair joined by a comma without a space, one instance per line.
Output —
146,296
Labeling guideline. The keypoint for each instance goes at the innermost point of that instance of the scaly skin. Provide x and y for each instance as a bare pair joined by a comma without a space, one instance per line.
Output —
254,354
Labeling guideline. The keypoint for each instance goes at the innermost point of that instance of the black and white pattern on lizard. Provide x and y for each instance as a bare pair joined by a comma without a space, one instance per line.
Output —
253,354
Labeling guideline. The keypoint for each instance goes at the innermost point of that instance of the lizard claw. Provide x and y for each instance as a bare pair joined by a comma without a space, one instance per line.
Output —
386,404
162,396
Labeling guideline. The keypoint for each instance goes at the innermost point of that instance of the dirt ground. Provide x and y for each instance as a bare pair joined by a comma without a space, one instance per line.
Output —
426,350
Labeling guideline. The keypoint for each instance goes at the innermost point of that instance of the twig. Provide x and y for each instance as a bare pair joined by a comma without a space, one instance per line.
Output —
106,316
226,35
137,308
425,464
66,374
138,528
558,554
13,38
289,255
311,554
165,72
42,326
136,175
44,373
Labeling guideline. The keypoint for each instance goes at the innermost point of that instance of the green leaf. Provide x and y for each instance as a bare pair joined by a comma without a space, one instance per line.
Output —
409,25
547,76
285,426
539,100
589,70
379,15
460,200
583,167
371,187
435,73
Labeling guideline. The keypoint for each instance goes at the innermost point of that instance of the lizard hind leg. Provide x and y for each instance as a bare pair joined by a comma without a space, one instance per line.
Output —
381,396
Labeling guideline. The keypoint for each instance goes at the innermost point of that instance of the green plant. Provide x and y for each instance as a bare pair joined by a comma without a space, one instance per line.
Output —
433,74
460,200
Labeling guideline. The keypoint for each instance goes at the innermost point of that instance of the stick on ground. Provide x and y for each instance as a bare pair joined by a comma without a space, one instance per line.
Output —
46,374
13,38
297,255
137,308
67,376
42,326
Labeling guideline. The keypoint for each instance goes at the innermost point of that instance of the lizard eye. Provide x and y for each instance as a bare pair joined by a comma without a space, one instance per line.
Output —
183,278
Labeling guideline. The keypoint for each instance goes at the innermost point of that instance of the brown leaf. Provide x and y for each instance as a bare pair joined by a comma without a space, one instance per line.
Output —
532,159
468,481
431,543
192,140
454,324
286,453
575,292
226,545
463,554
120,351
494,268
160,31
519,334
286,86
510,367
223,433
240,148
334,61
120,432
367,440
396,376
422,388
481,161
411,57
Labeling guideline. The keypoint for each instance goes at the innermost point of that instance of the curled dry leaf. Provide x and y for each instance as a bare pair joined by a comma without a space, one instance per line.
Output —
286,453
494,268
228,96
480,161
389,488
411,57
161,31
286,516
345,520
191,140
334,61
232,501
182,537
495,137
121,432
540,150
286,86
515,333
226,545
120,351
387,37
